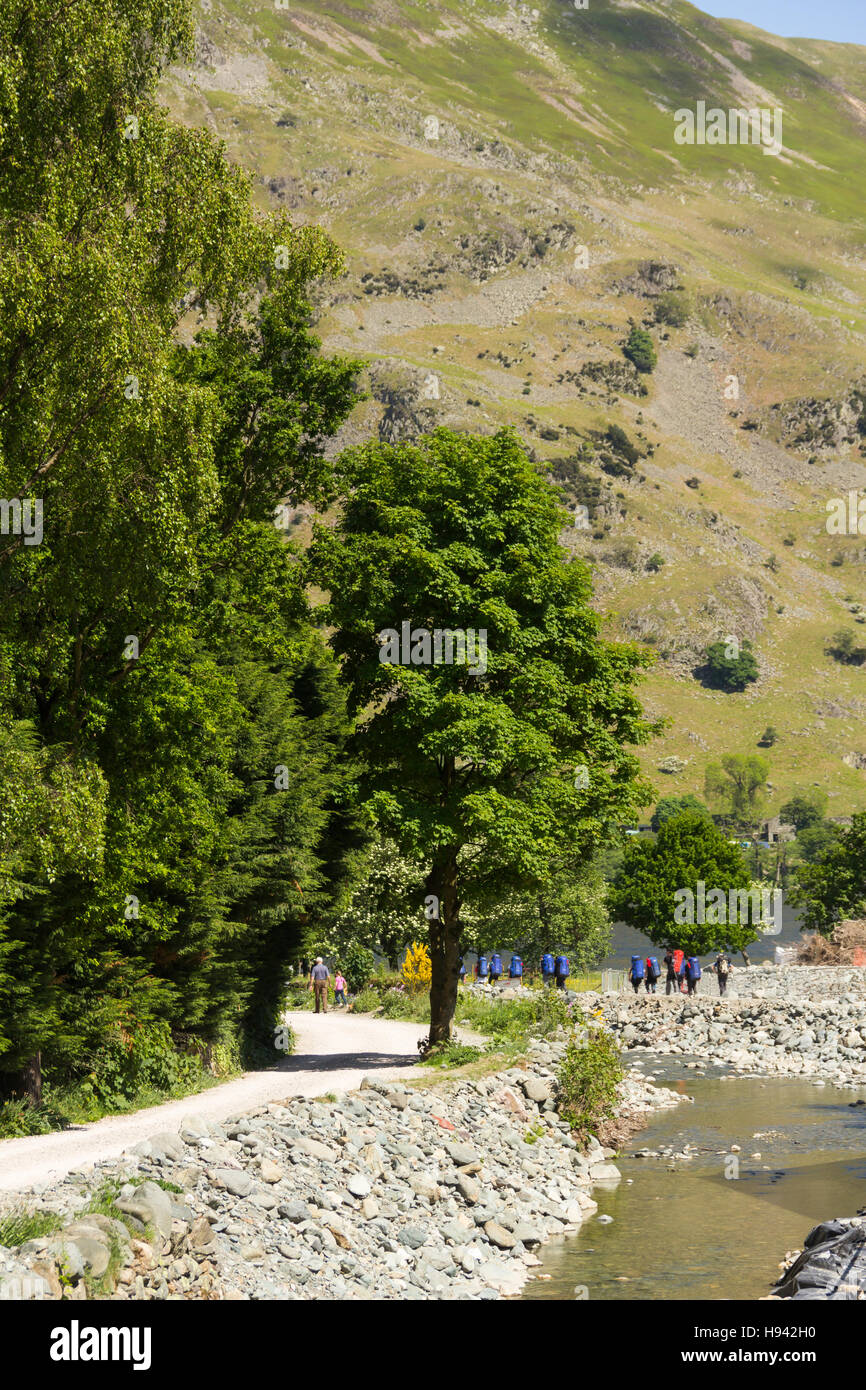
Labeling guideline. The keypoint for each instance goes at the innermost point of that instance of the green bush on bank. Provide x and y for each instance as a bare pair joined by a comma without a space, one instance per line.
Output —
587,1079
128,1072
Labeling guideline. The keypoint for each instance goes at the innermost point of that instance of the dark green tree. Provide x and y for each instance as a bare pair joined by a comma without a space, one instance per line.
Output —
670,806
834,887
640,349
658,888
502,765
728,672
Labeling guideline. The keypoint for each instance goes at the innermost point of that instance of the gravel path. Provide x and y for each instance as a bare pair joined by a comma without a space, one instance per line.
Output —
333,1052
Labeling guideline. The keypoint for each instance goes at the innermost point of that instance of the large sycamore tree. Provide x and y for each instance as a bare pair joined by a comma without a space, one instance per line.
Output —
496,773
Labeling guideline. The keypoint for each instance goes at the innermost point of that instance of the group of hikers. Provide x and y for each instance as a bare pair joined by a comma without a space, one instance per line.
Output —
488,969
683,972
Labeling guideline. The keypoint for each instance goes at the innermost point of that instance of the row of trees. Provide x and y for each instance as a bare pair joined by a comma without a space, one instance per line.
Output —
206,763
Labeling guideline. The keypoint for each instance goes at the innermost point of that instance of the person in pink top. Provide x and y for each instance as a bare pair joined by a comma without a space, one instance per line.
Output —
339,988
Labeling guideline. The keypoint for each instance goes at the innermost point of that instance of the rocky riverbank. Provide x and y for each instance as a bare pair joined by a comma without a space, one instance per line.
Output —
388,1192
787,1021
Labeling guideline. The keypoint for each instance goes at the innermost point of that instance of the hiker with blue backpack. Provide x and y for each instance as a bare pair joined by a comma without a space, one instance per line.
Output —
515,969
561,970
693,974
637,972
495,967
652,974
548,969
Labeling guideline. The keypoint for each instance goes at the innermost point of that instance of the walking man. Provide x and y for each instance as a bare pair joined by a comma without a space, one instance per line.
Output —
319,977
723,968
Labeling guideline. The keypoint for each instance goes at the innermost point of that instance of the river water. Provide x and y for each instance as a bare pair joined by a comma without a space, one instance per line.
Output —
682,1229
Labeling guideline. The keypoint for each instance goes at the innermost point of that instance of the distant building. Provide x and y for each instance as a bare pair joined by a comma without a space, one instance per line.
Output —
776,830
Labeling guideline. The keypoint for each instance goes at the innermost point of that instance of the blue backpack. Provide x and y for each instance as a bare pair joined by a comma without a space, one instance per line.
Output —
547,964
562,966
515,969
482,967
462,971
693,969
637,967
496,964
654,971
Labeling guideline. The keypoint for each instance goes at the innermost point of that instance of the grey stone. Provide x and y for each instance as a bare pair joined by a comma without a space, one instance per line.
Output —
237,1182
413,1237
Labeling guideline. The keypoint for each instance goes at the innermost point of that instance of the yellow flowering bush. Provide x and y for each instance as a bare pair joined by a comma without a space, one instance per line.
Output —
417,971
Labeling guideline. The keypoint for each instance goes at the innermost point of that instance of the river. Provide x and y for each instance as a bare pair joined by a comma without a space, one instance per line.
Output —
692,1233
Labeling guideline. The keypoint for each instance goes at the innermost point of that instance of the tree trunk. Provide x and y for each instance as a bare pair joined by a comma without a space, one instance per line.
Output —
444,948
30,1083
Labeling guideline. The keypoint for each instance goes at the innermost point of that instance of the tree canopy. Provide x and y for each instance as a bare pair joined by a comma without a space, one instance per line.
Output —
491,773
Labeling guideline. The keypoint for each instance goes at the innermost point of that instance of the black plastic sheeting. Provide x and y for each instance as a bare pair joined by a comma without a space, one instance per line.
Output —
831,1266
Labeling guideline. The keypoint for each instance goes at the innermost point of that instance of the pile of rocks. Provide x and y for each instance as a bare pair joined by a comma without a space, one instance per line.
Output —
389,1192
770,981
768,1034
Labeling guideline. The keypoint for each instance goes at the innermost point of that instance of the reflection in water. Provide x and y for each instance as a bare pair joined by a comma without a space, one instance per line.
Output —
683,1230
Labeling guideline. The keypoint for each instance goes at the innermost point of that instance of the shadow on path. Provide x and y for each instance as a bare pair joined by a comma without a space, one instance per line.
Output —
345,1061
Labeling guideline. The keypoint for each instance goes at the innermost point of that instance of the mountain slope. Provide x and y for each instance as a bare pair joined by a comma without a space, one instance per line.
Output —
507,186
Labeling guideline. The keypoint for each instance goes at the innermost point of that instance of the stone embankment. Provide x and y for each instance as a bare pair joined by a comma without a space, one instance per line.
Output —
388,1192
831,1265
784,1021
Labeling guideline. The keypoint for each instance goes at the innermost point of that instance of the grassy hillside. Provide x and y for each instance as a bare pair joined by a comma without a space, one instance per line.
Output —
554,131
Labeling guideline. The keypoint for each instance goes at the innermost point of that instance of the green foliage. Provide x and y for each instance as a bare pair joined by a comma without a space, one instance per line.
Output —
805,808
621,444
726,672
815,841
586,1081
357,963
646,893
451,1054
669,806
471,773
18,1225
153,874
843,647
384,911
655,562
640,350
834,887
572,915
737,785
769,737
673,308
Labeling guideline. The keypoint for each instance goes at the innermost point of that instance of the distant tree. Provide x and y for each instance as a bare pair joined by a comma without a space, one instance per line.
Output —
834,887
804,809
648,891
842,646
573,914
814,841
673,309
727,672
640,350
655,562
670,806
768,737
737,785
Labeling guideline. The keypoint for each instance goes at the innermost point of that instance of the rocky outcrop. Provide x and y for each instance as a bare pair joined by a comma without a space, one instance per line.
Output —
831,1265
